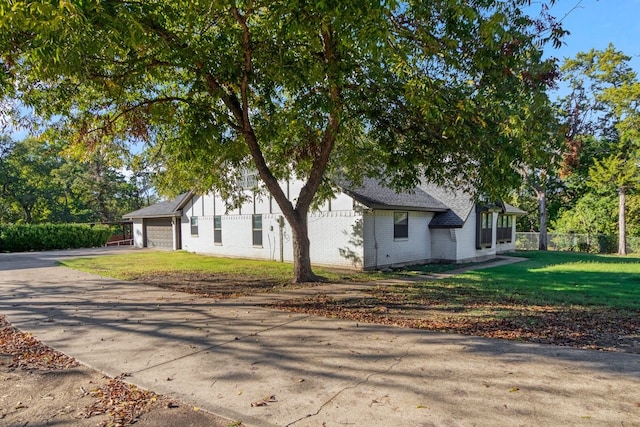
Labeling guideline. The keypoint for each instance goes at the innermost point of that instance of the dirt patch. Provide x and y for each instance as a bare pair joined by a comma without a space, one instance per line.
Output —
220,286
437,308
41,386
575,326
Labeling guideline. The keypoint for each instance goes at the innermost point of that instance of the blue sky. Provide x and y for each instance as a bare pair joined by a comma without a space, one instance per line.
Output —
594,24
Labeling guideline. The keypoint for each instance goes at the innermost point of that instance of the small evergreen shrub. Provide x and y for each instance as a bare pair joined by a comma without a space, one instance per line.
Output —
39,237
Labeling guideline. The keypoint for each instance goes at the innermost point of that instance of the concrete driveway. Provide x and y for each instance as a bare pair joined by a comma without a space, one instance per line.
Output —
225,355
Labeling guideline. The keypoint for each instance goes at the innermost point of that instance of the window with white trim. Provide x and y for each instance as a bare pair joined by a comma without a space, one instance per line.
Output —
256,222
217,229
401,225
194,225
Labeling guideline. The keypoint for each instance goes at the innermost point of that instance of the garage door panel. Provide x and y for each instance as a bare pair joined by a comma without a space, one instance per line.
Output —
159,233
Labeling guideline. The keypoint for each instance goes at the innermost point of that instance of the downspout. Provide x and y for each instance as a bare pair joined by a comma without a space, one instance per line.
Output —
375,240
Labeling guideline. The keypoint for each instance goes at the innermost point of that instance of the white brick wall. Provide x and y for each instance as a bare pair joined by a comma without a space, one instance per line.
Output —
382,250
334,235
444,244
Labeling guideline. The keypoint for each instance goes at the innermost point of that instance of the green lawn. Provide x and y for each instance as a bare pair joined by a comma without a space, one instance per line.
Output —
545,278
133,265
559,278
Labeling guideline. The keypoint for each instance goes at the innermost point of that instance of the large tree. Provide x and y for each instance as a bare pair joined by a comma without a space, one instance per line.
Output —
448,89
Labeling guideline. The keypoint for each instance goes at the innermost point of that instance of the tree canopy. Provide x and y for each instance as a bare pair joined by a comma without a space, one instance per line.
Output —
447,90
39,183
603,116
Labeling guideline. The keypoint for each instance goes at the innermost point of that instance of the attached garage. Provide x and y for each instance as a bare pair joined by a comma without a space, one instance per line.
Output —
158,233
158,226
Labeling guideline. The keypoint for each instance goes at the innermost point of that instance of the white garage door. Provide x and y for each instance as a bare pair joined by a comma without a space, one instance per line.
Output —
159,233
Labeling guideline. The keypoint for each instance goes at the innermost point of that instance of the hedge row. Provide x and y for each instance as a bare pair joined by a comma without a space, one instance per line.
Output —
38,237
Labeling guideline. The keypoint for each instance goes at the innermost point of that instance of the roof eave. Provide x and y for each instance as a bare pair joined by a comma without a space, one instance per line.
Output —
177,214
399,207
445,226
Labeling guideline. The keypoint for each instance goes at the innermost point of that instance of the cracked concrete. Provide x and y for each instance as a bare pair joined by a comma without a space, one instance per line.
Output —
309,417
222,356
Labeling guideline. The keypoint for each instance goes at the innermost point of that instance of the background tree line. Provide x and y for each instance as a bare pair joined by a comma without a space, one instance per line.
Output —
590,182
41,183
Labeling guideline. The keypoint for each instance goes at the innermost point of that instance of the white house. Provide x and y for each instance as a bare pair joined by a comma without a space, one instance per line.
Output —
365,227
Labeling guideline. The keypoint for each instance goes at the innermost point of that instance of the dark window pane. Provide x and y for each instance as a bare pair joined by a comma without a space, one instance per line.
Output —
217,229
400,225
257,238
503,233
257,230
257,222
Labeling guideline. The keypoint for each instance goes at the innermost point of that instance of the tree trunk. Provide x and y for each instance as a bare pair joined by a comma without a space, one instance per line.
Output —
622,227
542,204
302,271
240,109
27,215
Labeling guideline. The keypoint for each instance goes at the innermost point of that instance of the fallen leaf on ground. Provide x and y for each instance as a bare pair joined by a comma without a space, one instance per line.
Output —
265,401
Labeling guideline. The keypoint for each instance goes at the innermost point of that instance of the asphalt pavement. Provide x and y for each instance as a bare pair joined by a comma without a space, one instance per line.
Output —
265,367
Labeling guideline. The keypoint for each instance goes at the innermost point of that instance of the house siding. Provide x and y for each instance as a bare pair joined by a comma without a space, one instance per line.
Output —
381,250
335,235
466,247
444,244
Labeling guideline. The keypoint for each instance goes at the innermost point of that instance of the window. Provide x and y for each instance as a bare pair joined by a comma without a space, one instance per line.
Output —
257,230
217,229
248,180
504,228
484,226
194,225
400,225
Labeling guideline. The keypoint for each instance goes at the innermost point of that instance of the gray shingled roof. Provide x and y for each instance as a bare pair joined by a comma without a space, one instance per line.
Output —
459,203
512,210
169,208
376,196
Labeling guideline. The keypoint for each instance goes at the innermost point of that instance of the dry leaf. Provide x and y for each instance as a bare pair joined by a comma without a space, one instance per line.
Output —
265,401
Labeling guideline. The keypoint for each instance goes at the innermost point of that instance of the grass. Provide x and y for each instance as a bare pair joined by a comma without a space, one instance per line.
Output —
134,265
549,278
545,278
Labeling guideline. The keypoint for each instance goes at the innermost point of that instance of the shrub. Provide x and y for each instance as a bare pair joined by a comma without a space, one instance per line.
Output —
38,237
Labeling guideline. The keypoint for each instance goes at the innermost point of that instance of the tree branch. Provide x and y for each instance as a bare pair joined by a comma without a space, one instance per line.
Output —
128,110
332,128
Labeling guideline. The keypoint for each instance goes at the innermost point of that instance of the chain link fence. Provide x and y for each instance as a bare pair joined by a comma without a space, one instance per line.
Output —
588,243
